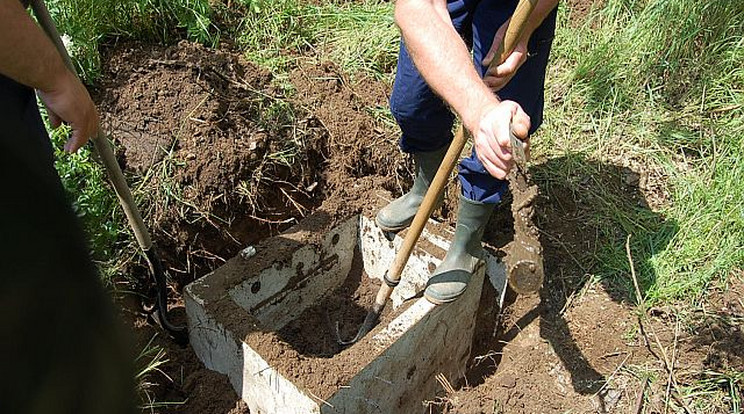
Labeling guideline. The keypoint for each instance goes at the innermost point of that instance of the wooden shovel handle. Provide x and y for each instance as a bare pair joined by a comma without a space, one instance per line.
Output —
515,30
101,140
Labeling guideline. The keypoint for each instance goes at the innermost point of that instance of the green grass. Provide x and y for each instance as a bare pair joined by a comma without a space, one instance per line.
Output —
94,203
149,362
659,85
356,36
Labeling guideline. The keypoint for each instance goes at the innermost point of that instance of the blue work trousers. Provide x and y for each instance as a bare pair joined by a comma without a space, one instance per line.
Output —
426,121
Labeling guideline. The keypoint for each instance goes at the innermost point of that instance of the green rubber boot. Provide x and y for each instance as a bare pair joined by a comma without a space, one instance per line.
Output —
451,277
400,212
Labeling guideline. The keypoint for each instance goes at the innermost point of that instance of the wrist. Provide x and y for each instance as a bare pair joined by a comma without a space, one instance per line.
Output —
471,118
57,79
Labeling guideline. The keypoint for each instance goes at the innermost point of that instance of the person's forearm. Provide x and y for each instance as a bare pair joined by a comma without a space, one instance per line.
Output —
442,57
26,54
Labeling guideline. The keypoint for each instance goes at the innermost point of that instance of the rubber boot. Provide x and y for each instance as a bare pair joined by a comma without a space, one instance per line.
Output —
400,212
451,277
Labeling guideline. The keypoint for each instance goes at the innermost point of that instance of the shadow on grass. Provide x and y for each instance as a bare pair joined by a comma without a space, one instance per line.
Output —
585,212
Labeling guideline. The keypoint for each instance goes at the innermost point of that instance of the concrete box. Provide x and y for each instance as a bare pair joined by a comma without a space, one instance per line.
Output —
268,286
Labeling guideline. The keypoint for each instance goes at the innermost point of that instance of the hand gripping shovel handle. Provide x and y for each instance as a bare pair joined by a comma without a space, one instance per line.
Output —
106,153
514,32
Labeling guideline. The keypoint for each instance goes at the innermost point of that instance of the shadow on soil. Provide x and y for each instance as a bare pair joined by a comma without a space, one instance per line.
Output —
317,332
585,212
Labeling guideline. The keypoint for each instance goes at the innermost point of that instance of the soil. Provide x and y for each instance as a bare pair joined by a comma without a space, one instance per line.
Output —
181,381
194,119
363,152
206,118
307,352
312,334
524,262
218,125
571,346
580,10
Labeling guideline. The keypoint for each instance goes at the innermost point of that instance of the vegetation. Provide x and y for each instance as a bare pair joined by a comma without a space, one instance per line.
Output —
83,23
666,96
636,88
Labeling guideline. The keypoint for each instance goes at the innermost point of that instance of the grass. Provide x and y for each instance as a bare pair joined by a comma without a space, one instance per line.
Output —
149,362
356,36
88,22
666,96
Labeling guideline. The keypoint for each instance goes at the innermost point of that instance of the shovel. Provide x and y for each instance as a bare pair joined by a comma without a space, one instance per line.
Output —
106,153
514,32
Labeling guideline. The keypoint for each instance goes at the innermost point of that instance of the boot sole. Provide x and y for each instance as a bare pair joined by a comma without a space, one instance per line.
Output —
441,301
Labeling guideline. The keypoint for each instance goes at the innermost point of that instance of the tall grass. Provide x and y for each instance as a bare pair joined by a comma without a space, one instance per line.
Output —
356,36
660,84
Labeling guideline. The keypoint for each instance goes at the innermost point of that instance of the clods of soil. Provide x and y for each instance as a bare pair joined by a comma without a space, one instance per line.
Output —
224,158
307,351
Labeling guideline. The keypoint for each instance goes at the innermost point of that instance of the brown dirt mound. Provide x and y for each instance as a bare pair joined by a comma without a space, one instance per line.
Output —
244,162
211,141
361,145
248,161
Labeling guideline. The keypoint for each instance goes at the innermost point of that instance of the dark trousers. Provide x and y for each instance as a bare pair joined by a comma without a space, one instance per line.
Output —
61,346
426,121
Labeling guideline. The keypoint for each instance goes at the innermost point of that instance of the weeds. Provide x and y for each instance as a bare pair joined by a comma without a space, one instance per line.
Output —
356,36
149,362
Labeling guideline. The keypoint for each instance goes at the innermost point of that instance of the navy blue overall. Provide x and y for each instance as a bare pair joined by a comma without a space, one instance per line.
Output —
426,121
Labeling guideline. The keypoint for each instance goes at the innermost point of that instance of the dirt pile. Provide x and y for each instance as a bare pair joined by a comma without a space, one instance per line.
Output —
248,161
306,350
223,158
362,145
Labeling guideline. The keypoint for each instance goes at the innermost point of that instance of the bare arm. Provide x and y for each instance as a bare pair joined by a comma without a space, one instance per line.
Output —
444,61
29,57
26,54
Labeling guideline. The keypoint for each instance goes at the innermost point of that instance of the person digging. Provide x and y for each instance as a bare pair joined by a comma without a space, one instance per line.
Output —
435,73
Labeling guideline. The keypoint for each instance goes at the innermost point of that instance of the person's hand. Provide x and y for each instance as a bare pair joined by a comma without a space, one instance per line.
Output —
68,101
492,140
498,76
